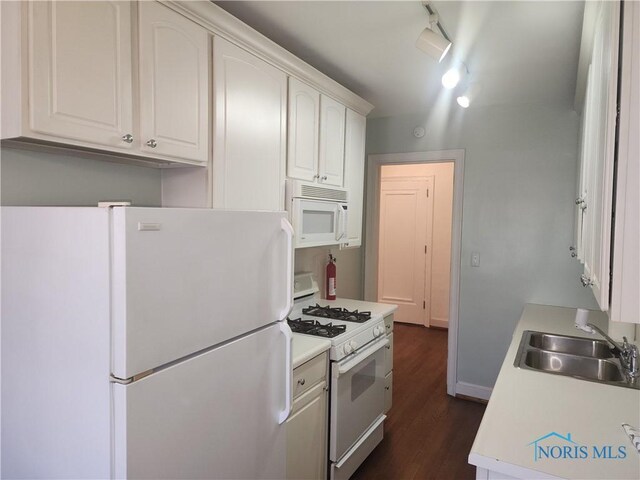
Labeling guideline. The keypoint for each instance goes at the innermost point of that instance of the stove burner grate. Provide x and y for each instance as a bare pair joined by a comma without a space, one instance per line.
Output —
337,313
313,327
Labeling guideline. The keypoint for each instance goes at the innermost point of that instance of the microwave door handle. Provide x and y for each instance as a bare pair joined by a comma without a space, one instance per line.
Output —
340,223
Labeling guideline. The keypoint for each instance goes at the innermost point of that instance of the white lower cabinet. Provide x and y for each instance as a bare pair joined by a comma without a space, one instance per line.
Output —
307,425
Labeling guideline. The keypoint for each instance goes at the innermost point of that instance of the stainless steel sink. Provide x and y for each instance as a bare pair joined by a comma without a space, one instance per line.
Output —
573,345
576,357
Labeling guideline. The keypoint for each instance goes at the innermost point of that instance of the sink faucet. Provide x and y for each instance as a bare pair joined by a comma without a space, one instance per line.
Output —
627,352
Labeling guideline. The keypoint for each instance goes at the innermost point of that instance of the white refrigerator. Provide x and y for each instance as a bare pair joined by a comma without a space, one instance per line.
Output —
145,343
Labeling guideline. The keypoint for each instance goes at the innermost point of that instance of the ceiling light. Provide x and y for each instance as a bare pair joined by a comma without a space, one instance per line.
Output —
429,41
463,101
433,44
451,78
468,94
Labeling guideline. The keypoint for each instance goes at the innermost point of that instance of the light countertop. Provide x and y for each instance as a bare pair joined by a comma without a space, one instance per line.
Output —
306,347
526,405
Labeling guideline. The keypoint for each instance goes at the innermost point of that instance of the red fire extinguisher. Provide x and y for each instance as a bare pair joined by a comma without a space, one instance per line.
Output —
331,278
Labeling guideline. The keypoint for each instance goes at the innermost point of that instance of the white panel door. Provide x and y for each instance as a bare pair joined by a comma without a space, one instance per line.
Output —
304,129
187,279
212,416
405,217
80,71
331,160
174,84
250,130
354,174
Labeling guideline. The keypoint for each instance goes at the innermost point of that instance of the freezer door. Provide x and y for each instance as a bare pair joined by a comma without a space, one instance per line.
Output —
212,416
187,279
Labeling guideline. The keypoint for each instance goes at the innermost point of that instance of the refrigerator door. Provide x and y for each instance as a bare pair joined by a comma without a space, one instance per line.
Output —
212,416
186,279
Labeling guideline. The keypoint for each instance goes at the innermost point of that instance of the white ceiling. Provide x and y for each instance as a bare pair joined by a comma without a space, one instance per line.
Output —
516,51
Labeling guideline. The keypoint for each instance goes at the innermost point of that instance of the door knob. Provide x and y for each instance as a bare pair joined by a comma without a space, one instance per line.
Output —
128,138
152,143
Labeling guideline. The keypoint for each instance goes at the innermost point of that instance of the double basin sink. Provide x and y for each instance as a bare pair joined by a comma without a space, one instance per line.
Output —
577,357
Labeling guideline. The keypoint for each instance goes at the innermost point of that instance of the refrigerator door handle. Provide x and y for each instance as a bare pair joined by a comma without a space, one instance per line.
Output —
288,230
288,404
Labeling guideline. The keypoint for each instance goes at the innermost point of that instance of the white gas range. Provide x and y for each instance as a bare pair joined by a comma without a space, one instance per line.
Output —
357,386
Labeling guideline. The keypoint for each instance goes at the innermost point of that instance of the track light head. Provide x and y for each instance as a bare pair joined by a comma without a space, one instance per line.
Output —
433,44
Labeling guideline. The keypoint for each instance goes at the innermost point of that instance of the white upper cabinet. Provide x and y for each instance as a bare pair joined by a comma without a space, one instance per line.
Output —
355,133
304,126
250,130
331,159
174,84
79,67
596,197
625,301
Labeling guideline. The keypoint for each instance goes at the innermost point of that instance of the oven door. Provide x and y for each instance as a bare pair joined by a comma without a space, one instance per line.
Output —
317,223
357,396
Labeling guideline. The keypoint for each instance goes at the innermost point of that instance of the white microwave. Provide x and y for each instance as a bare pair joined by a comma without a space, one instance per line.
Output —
318,214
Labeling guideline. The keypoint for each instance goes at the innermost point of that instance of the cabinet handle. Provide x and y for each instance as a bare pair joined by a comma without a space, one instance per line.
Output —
128,138
586,281
301,381
388,347
572,249
152,143
316,176
386,388
324,178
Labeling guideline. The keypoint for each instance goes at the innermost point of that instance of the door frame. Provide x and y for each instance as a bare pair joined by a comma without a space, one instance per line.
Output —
372,230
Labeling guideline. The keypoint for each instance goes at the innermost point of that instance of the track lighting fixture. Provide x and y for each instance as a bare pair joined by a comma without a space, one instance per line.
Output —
429,41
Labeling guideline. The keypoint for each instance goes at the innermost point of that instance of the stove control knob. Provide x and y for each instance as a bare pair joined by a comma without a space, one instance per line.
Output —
377,331
348,348
353,345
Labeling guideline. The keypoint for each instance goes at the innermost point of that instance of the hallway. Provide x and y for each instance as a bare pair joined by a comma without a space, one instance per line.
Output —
428,434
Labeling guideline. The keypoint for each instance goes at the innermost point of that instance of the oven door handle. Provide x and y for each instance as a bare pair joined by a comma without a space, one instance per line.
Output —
361,355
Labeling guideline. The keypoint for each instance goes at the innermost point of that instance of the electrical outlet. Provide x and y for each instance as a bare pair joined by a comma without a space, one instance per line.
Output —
475,259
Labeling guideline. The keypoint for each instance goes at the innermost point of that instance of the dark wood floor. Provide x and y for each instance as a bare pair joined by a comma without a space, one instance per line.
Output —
427,434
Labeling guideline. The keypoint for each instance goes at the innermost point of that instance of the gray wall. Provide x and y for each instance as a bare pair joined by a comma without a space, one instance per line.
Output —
519,186
39,178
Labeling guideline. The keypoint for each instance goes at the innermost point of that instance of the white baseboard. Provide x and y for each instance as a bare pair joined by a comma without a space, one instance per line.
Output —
439,322
475,391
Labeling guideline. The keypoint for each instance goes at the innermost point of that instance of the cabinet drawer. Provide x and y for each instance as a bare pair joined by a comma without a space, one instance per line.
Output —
388,323
309,374
388,392
388,355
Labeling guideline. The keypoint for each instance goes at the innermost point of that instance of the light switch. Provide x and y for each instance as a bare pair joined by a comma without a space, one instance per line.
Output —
475,259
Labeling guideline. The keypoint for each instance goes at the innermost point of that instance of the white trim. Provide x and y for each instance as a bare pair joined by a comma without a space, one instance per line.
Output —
223,24
475,391
439,322
371,235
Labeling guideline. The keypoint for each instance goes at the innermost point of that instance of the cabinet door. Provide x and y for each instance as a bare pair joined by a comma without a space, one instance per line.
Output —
174,84
625,302
80,71
354,175
307,436
600,152
250,98
304,129
331,161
